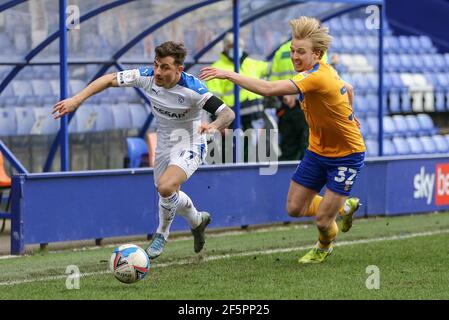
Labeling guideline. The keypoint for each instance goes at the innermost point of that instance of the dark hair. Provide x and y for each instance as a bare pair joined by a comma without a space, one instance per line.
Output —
172,49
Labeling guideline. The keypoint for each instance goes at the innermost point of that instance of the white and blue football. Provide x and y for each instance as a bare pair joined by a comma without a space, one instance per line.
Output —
129,263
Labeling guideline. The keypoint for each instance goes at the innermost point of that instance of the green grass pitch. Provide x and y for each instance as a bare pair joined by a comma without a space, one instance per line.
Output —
410,252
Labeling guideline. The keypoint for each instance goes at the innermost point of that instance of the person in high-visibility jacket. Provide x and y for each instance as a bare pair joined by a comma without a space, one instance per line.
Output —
293,129
251,104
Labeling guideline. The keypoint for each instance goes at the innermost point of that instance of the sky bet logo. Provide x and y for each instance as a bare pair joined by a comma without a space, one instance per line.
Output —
426,183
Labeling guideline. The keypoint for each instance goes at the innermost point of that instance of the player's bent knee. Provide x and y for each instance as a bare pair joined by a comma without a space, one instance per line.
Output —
295,211
323,223
166,188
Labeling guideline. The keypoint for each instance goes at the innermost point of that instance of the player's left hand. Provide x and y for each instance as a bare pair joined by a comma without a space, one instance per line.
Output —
210,73
207,128
65,106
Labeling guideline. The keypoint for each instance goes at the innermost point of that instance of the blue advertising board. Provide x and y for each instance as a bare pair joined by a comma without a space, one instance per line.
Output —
70,206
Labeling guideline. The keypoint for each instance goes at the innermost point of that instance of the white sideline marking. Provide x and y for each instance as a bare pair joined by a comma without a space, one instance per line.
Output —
242,254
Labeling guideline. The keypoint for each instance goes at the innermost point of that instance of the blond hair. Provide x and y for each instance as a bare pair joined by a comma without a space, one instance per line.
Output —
228,42
310,28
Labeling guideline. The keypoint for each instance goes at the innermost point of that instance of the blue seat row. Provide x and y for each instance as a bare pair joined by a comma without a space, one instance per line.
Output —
351,26
399,126
409,145
34,93
415,62
363,43
90,118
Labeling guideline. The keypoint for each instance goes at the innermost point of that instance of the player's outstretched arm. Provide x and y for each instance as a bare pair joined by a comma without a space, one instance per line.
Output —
259,86
224,119
71,104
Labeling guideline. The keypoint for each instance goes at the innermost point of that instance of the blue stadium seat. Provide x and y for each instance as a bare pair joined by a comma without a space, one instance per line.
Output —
439,62
393,90
373,47
364,128
44,93
391,45
137,148
373,82
404,43
428,144
360,44
446,136
359,106
335,26
373,127
415,145
360,83
347,44
44,122
359,26
394,62
426,44
7,97
132,96
23,92
112,96
3,71
427,63
389,127
446,59
405,98
388,64
27,73
347,25
415,44
104,120
389,148
426,124
413,125
53,71
7,46
139,115
55,88
372,105
401,146
388,82
22,42
75,86
337,45
7,122
406,64
84,119
439,91
121,116
25,120
372,148
441,144
401,125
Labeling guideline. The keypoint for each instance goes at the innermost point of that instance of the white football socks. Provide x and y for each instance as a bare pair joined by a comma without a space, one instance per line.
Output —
188,210
167,211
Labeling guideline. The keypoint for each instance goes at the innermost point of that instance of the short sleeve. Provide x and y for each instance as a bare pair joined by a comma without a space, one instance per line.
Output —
201,99
135,77
305,82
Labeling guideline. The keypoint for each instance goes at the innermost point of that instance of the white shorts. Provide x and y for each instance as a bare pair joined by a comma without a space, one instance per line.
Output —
188,159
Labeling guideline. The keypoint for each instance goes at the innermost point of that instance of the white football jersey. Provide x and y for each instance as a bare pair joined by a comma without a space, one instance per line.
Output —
178,110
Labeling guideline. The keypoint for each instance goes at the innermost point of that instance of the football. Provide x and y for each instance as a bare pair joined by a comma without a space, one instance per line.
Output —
129,263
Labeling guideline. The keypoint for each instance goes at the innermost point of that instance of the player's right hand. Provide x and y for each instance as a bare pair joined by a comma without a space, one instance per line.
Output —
64,106
209,73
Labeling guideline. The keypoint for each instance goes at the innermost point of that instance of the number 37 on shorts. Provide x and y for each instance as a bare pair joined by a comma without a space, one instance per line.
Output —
347,176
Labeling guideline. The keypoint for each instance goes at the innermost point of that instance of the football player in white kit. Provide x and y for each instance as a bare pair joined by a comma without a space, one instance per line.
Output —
177,100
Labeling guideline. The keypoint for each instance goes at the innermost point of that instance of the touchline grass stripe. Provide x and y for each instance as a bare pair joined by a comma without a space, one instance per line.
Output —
236,255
